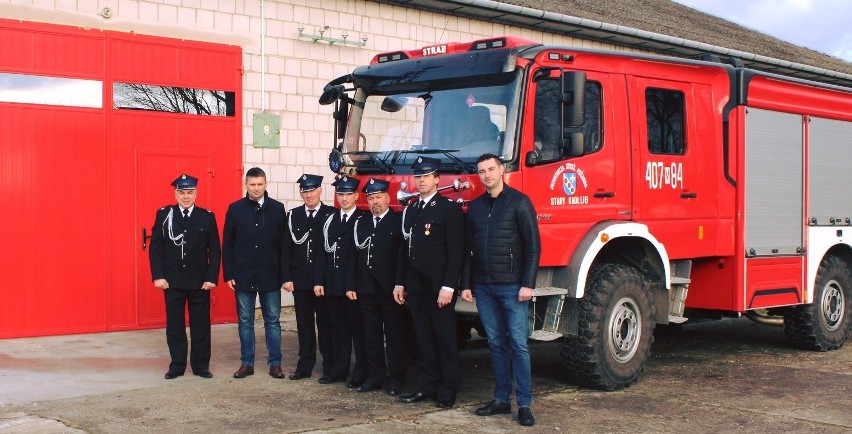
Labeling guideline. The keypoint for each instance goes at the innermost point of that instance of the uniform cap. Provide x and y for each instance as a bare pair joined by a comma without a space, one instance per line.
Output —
185,182
308,182
374,186
346,184
425,165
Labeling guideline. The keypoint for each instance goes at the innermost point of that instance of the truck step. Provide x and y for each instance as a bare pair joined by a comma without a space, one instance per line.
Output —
680,280
548,290
677,319
544,335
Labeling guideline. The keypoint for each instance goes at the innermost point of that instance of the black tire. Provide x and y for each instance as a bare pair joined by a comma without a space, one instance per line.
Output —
615,329
825,324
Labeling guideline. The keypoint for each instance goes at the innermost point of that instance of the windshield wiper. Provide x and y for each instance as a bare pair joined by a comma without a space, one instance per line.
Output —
461,166
381,164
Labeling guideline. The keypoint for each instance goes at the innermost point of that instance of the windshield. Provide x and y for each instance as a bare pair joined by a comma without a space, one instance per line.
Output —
455,125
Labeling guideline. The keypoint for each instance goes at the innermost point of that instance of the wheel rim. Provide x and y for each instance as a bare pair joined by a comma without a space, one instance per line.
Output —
833,305
625,330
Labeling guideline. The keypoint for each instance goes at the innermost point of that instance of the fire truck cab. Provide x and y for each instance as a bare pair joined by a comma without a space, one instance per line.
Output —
664,188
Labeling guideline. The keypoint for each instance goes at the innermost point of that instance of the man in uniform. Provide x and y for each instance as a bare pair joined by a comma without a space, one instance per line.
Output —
251,263
334,276
434,227
184,258
504,246
377,240
302,241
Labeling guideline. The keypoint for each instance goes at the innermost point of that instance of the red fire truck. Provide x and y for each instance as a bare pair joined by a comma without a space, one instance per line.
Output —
665,188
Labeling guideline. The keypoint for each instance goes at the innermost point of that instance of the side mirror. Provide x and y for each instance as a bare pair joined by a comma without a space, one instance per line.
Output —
573,109
341,118
531,159
573,144
393,104
331,94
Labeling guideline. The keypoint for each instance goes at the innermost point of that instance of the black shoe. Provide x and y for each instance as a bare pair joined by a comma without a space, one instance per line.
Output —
299,376
446,403
203,374
171,375
367,387
328,379
525,417
392,390
493,408
415,397
355,382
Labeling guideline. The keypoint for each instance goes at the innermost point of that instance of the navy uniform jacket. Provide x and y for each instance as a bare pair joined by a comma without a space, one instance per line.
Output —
201,252
251,245
336,270
440,253
298,259
376,260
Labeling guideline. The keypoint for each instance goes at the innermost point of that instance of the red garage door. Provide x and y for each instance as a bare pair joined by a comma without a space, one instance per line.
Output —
93,127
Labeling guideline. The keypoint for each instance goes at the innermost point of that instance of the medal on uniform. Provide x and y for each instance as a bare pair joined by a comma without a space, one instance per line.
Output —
427,225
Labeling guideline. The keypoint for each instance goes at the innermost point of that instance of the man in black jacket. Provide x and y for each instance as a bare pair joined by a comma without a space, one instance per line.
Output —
434,227
251,263
184,258
378,237
302,242
334,276
503,254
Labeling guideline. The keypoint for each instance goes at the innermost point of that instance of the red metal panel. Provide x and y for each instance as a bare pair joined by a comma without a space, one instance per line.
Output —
68,177
51,50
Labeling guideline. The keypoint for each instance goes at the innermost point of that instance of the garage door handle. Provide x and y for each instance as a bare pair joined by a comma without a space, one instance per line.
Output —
145,238
688,195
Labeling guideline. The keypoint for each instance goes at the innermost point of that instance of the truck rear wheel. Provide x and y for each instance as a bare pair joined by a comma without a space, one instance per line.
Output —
825,324
615,329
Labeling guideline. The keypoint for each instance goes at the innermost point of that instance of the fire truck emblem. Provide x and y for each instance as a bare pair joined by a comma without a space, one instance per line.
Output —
569,183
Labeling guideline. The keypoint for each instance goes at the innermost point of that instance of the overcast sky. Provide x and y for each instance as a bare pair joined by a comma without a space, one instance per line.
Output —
821,25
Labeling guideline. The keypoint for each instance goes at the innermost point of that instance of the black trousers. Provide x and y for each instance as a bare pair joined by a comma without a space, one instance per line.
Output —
347,334
384,324
313,325
438,351
198,302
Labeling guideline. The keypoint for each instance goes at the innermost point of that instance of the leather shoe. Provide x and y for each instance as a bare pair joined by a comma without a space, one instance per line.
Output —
244,371
493,408
355,382
446,403
415,397
299,376
392,391
367,387
203,374
328,379
171,375
525,417
276,372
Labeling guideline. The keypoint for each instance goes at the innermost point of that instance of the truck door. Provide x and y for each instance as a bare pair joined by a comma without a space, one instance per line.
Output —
570,194
675,163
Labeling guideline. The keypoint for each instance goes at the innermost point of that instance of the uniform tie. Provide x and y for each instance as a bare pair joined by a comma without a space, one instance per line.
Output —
421,204
377,221
344,218
310,214
185,213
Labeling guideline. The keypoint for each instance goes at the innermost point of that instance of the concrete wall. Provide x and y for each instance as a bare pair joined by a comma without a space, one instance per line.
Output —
295,69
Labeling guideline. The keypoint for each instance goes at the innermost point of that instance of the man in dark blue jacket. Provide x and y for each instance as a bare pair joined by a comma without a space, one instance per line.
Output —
251,263
184,257
503,254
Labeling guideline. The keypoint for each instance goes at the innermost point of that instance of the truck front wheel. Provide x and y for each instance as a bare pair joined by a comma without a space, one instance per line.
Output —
825,324
615,329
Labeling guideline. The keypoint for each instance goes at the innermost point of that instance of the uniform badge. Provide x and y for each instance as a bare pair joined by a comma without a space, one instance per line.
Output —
427,226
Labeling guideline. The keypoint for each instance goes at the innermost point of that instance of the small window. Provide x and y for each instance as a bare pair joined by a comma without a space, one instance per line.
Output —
37,89
666,114
134,96
547,128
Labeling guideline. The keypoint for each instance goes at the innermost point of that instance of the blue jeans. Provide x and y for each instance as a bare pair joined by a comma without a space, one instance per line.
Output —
270,307
506,323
